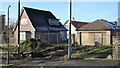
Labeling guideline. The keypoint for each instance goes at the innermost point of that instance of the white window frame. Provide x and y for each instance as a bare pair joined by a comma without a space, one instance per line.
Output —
22,35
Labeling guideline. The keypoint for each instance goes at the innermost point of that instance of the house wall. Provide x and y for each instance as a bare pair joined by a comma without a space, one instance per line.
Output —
73,29
95,38
73,32
108,38
78,38
49,37
87,38
63,35
25,25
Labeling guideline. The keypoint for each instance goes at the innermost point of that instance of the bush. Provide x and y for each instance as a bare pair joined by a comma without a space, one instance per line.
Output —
25,46
4,46
32,44
13,48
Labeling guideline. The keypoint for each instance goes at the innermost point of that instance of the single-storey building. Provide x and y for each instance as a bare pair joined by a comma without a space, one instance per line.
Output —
99,32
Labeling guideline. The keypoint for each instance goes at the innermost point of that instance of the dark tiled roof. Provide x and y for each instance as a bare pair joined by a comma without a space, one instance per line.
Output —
99,24
39,18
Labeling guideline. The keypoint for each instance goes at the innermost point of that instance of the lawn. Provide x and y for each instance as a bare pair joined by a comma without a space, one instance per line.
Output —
80,52
92,52
59,51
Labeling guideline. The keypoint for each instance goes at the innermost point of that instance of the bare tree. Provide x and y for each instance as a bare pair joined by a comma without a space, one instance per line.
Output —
12,23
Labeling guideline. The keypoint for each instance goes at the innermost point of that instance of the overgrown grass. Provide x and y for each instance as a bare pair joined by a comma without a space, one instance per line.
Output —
92,58
86,50
54,51
12,47
1,65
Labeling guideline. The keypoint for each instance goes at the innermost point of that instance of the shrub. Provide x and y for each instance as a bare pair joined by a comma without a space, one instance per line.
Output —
13,48
26,45
4,46
34,45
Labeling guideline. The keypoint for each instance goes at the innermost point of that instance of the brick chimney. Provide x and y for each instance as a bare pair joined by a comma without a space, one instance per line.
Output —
2,23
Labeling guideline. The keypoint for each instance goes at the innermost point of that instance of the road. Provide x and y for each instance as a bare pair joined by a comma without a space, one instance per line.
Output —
54,62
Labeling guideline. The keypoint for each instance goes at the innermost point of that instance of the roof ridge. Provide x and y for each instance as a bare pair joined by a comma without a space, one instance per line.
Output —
35,9
80,21
105,23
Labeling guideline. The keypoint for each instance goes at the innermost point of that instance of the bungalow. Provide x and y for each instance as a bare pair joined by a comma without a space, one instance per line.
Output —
99,32
74,26
40,24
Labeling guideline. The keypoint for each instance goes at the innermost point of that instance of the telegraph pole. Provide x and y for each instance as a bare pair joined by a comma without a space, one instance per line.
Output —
18,29
8,34
69,40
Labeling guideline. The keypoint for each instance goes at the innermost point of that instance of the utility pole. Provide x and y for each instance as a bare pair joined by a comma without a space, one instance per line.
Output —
69,40
8,34
18,29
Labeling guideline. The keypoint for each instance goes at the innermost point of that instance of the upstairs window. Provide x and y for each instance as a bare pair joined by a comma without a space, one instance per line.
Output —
53,22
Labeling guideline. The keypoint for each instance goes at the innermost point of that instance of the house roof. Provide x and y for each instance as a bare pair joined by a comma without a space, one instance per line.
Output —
77,24
99,24
39,18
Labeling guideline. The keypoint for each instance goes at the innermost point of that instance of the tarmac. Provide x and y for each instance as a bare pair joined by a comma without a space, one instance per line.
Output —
53,63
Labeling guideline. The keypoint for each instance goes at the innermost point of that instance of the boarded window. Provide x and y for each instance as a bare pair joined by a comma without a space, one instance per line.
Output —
98,39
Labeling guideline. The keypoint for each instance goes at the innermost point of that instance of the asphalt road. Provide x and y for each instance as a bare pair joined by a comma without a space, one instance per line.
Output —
54,62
